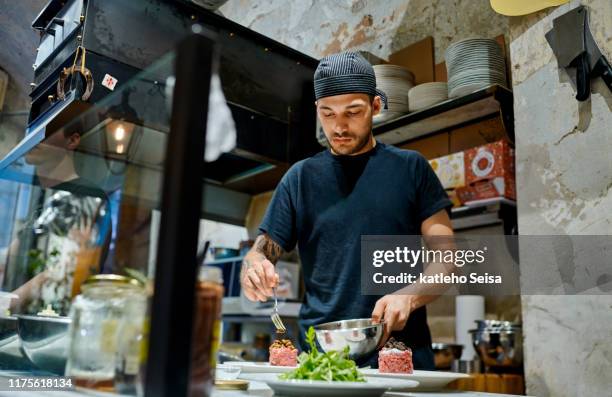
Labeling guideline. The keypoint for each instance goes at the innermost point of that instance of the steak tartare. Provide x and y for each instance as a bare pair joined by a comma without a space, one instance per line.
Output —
283,353
395,357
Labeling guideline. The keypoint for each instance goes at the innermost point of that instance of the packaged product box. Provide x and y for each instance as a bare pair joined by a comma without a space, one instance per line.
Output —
450,170
489,173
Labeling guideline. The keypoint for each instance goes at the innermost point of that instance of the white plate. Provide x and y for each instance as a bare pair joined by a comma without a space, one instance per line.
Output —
428,380
248,367
469,88
424,104
372,387
386,116
455,69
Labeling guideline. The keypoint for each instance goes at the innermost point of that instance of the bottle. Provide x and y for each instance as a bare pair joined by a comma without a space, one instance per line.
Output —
206,330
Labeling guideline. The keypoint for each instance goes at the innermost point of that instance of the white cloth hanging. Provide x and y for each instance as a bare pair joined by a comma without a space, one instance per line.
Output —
220,126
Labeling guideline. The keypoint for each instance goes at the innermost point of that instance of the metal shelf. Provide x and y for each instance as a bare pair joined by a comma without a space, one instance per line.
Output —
487,212
225,260
453,112
231,308
478,204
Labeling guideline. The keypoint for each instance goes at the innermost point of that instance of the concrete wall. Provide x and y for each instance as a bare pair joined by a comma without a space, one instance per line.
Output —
12,119
318,27
564,181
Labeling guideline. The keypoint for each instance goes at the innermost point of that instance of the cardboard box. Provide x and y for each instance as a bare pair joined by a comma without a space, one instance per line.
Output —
452,196
430,147
450,170
489,172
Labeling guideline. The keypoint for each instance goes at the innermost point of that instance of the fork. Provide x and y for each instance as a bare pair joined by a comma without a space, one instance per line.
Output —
278,323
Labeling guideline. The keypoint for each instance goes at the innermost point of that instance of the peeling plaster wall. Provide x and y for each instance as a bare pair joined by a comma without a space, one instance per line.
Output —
319,27
564,187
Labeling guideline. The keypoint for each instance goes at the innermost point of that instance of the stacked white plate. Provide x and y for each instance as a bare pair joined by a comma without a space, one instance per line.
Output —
395,81
472,64
427,94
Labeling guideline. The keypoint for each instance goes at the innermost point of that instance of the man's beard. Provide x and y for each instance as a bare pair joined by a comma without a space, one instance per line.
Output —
347,151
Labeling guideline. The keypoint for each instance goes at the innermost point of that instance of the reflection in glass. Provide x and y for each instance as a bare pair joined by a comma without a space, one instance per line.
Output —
119,125
66,232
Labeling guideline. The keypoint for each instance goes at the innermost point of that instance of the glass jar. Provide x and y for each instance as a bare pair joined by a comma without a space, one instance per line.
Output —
129,346
206,330
105,308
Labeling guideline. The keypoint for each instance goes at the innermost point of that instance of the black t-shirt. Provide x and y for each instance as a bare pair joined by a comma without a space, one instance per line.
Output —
325,203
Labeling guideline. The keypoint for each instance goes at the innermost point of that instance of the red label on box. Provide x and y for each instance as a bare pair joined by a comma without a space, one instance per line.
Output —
489,172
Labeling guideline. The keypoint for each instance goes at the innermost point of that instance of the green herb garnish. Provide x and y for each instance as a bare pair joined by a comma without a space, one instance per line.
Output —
330,366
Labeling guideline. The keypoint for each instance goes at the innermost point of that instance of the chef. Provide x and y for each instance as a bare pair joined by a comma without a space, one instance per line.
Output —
325,203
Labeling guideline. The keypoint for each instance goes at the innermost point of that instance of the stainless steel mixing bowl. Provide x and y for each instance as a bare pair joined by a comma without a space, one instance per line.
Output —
11,355
445,354
8,330
496,325
360,335
45,341
498,343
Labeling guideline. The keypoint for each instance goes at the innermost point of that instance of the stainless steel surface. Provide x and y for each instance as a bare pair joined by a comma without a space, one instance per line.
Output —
568,36
467,366
497,325
225,356
8,330
445,353
44,341
479,220
360,335
223,252
498,343
278,323
11,355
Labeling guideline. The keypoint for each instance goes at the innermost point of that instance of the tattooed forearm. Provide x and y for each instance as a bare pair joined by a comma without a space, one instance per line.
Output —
268,248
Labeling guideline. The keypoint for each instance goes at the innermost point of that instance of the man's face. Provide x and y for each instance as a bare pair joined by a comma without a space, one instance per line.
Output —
347,121
53,149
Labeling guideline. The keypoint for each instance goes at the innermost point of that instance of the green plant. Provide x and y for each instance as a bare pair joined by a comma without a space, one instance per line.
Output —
329,366
37,260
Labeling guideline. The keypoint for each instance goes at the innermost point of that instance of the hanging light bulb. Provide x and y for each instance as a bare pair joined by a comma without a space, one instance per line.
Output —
119,132
119,136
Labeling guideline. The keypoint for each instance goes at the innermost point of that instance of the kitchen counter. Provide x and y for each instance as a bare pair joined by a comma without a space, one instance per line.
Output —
262,390
255,389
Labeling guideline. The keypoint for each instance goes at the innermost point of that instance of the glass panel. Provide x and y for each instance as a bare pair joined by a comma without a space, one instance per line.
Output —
12,125
77,198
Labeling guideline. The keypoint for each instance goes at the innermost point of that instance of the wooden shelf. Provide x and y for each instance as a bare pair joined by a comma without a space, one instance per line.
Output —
452,113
